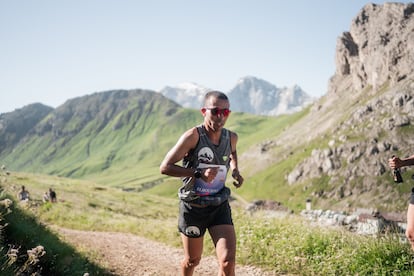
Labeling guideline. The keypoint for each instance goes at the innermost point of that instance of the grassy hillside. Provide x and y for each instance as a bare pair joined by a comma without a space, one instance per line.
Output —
118,139
90,206
283,245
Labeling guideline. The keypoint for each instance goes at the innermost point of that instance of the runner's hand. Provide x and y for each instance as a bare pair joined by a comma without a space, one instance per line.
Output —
239,179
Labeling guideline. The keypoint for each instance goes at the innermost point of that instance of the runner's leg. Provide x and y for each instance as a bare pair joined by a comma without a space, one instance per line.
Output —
224,238
193,248
410,225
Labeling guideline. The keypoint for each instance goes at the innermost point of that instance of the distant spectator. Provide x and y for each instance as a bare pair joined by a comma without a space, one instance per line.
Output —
46,197
52,195
24,194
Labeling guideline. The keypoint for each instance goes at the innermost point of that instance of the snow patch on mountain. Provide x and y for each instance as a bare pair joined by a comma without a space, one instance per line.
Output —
249,95
187,94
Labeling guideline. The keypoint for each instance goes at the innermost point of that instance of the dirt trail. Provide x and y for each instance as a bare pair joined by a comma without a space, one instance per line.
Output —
130,255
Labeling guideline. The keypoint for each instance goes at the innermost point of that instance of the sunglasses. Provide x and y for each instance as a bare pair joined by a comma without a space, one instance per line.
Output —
217,111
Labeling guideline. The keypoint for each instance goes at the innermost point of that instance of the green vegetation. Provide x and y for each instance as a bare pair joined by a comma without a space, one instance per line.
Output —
126,153
28,246
285,245
25,232
291,246
88,206
271,182
111,144
119,138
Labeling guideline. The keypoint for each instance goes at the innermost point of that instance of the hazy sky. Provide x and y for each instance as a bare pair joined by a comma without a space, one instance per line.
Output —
52,51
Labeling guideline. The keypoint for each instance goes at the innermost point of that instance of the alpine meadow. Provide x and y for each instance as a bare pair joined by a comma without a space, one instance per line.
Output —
101,153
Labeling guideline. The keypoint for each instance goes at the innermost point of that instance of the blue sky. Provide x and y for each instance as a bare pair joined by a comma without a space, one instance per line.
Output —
52,51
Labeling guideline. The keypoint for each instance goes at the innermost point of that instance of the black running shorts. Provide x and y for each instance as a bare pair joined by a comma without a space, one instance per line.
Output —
194,221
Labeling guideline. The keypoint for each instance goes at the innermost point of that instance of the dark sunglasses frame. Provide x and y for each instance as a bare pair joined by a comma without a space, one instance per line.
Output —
216,111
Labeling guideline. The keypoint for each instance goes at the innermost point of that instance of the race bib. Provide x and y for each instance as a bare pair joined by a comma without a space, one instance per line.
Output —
203,188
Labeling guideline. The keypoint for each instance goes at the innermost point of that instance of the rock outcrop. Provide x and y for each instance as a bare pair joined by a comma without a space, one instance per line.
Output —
379,46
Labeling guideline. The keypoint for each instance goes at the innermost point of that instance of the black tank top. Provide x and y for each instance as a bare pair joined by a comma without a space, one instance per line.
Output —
206,154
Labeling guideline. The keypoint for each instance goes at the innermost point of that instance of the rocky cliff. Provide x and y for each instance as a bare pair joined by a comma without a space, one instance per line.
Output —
378,48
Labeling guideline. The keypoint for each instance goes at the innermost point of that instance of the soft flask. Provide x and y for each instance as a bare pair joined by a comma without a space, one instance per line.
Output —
397,176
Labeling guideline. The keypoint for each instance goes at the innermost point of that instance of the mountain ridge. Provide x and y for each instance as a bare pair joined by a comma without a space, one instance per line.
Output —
333,152
15,125
250,94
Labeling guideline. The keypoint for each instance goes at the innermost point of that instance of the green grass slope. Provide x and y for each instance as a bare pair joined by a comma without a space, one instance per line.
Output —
118,139
284,245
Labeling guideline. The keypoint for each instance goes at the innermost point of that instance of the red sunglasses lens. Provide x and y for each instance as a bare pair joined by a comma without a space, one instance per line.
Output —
225,112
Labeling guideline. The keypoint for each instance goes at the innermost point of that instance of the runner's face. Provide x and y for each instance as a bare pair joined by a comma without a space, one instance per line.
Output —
215,122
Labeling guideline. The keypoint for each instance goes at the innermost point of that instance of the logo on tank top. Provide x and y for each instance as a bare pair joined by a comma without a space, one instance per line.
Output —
205,155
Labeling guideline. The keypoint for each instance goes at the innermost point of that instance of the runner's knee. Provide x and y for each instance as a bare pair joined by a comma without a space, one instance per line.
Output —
191,262
227,264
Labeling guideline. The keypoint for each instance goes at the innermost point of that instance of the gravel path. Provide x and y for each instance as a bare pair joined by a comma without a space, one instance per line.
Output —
130,255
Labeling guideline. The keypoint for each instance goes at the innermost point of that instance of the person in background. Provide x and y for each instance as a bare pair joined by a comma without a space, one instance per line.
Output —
395,163
207,152
52,195
46,197
24,194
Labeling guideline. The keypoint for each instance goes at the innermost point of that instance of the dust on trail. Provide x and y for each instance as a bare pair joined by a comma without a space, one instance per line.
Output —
130,255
